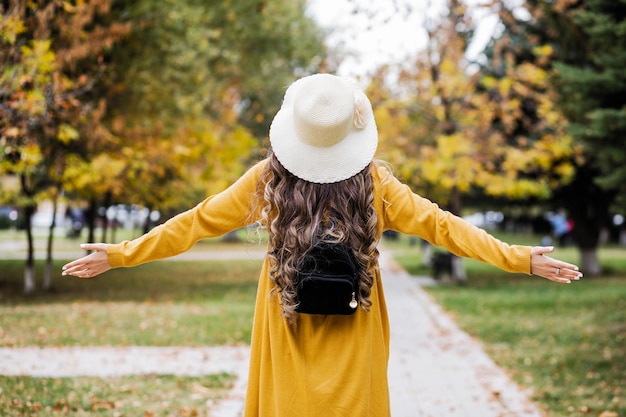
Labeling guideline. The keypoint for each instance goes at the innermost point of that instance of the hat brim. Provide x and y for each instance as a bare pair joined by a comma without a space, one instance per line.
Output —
321,164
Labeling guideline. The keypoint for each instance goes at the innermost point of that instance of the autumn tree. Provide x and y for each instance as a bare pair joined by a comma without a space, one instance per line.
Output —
463,132
198,59
191,87
52,57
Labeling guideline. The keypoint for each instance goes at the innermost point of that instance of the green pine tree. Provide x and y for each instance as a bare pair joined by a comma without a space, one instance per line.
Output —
594,92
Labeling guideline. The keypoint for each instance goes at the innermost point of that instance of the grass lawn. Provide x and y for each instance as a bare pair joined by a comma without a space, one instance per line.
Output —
165,303
147,396
566,343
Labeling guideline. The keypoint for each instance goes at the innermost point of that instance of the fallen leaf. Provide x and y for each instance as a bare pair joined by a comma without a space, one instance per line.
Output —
102,405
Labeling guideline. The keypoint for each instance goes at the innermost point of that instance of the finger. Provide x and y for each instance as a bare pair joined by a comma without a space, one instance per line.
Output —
563,275
560,279
74,266
567,266
82,273
77,267
85,273
566,270
94,247
77,270
541,250
77,263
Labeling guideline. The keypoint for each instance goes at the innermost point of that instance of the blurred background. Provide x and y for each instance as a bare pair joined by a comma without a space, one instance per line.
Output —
116,115
112,108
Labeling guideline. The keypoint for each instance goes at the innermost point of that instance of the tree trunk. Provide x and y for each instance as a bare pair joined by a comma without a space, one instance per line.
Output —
29,278
47,274
147,223
91,214
114,224
427,253
29,270
588,206
458,269
458,266
105,218
590,264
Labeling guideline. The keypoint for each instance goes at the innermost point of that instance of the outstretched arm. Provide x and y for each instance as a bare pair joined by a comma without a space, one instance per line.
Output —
552,269
410,213
91,265
215,216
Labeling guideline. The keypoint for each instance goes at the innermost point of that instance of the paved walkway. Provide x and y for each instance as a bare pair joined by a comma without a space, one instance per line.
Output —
435,369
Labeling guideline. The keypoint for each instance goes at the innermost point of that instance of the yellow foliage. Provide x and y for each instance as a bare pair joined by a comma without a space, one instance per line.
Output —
78,174
454,131
66,133
450,146
440,113
68,7
108,164
10,28
31,154
505,85
38,55
34,104
489,82
531,74
543,51
565,170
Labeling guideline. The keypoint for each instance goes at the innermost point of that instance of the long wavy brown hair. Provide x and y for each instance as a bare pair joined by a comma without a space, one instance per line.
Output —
298,213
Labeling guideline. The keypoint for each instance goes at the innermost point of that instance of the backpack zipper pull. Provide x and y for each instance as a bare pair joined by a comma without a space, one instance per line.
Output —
353,303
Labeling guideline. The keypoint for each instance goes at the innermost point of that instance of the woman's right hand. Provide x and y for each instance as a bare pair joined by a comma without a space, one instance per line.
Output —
552,269
90,265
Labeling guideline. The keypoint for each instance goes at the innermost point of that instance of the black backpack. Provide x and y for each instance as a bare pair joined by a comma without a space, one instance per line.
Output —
327,282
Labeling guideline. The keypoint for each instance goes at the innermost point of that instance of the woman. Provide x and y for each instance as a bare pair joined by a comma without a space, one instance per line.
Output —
320,185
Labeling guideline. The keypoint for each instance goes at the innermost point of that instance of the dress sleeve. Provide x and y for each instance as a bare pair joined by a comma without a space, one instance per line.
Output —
215,216
410,213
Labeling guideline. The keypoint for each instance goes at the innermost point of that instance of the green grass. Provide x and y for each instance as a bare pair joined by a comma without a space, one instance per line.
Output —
164,303
149,395
566,343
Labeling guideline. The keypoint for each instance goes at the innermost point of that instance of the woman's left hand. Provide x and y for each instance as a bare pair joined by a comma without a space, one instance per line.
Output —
91,265
552,269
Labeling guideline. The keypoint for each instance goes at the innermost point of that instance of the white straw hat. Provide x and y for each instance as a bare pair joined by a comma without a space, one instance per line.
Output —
324,131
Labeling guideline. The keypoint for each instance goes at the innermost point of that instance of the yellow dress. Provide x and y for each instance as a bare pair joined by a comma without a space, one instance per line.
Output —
331,366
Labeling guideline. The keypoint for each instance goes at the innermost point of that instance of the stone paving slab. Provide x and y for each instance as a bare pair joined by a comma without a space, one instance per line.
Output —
104,361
